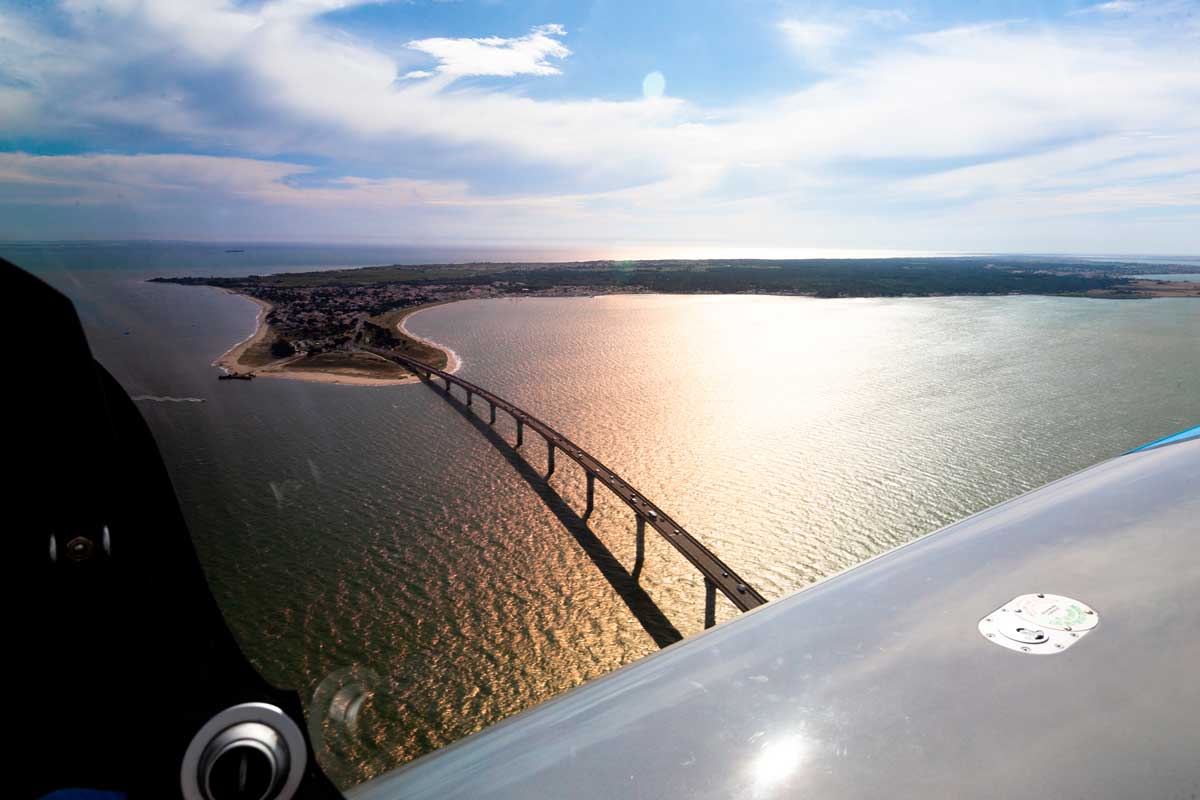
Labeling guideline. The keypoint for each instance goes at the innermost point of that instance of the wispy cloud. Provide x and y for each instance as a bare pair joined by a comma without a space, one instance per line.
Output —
98,179
823,41
1114,7
812,39
492,55
927,132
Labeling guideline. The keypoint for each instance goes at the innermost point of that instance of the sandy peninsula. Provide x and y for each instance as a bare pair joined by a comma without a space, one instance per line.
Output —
351,368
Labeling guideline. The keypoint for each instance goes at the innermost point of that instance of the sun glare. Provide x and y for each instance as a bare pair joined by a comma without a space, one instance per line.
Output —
778,761
653,85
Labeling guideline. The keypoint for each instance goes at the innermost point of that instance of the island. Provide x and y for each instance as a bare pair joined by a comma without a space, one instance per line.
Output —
315,325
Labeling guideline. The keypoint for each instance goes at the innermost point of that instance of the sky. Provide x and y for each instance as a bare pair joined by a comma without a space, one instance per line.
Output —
665,128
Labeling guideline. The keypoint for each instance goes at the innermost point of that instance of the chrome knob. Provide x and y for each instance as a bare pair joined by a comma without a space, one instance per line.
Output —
247,761
251,751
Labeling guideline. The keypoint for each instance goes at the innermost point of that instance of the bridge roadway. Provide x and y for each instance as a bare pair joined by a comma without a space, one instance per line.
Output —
717,574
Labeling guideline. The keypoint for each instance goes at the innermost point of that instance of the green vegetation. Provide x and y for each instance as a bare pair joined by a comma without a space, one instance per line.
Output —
893,277
383,332
820,279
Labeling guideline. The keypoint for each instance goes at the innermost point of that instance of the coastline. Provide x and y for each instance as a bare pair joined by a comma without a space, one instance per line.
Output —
453,362
231,360
355,368
228,361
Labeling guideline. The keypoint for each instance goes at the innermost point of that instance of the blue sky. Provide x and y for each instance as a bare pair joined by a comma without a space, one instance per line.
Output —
655,128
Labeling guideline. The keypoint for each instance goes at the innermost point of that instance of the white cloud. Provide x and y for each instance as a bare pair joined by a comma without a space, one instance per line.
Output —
823,42
813,41
1115,7
959,34
926,135
492,55
188,179
306,9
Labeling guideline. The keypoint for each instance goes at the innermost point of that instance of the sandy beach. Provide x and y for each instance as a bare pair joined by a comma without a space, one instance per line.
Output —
345,379
228,361
453,362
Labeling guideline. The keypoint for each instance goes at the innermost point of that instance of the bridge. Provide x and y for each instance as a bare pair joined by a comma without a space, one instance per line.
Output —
718,576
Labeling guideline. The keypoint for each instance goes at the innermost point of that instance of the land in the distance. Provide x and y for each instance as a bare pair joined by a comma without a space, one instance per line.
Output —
313,324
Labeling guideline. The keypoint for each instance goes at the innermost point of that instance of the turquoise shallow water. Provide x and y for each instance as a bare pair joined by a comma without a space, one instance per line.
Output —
374,536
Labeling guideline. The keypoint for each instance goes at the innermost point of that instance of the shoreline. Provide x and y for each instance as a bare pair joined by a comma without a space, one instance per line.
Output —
453,361
230,361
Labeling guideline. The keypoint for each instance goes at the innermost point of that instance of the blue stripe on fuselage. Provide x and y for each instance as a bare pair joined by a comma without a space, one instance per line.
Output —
1190,433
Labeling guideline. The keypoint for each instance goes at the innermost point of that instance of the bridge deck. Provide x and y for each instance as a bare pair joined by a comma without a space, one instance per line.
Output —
715,571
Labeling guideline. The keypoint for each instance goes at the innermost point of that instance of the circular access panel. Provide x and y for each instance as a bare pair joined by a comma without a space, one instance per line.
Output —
1054,611
1039,623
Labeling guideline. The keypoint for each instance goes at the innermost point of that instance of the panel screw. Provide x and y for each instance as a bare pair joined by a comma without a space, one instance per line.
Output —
1026,649
80,548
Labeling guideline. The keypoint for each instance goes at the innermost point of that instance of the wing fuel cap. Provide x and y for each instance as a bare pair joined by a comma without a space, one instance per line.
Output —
1041,624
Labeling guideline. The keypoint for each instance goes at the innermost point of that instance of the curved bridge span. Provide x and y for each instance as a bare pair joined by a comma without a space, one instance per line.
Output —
717,574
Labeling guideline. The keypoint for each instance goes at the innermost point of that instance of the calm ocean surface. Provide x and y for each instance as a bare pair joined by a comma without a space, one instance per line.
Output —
373,539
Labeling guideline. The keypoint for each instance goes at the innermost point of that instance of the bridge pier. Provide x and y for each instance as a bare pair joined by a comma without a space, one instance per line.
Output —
639,559
717,576
710,603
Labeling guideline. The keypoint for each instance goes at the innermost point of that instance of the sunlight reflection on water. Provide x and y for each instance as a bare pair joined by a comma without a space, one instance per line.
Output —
381,529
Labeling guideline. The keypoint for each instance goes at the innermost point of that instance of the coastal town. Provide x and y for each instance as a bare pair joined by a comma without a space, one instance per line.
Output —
317,319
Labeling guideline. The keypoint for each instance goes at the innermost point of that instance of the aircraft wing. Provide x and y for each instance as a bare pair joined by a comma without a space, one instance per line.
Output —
882,681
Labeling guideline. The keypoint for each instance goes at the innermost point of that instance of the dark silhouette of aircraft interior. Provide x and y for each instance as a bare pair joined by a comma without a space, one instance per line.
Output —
123,666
